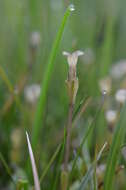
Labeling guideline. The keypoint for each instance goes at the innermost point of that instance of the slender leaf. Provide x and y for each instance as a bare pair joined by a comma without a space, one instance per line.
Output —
115,149
50,162
34,170
45,84
22,185
89,173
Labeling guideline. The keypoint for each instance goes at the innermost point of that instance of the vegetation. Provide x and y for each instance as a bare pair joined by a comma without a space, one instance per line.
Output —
62,119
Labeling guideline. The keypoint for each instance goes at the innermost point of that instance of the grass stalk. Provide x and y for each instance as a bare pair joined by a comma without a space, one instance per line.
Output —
69,127
50,162
45,84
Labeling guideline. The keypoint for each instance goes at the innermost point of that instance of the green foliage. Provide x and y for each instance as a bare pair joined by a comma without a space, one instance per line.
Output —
44,87
98,29
114,153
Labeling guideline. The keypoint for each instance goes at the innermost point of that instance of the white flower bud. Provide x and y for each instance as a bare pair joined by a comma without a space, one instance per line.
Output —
118,70
120,96
72,81
105,84
31,93
72,59
111,116
35,39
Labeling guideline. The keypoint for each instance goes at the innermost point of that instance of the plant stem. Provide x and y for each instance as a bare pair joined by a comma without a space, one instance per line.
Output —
68,138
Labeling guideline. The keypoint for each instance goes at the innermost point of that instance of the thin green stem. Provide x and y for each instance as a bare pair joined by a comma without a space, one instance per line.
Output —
50,162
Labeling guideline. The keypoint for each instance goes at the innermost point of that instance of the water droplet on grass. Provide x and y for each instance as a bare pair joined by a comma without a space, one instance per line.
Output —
71,7
104,92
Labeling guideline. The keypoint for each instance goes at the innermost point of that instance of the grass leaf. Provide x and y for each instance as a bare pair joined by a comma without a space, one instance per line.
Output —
115,148
46,79
50,162
91,170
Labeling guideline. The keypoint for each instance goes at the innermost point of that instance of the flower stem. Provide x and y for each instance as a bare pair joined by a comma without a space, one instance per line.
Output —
68,138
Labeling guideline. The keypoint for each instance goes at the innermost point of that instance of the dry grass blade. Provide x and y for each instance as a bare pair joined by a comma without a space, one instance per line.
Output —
34,170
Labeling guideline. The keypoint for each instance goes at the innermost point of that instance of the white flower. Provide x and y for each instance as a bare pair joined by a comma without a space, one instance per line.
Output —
120,96
72,80
31,93
118,70
111,116
100,169
72,59
35,39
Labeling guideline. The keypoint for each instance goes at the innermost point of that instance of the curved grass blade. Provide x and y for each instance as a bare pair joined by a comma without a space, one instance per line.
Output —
34,170
114,150
90,172
40,107
81,109
50,162
6,80
60,161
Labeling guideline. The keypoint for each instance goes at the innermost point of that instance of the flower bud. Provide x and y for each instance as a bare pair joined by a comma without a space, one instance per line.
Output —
35,40
72,80
32,93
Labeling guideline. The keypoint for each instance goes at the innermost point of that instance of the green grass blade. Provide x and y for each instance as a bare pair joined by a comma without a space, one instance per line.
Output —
81,109
22,185
50,162
6,80
6,167
115,148
89,173
40,107
60,161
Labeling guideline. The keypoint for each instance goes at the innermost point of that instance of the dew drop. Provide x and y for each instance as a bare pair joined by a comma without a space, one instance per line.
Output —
104,92
71,7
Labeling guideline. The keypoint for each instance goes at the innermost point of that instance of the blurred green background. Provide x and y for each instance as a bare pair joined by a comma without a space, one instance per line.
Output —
98,28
